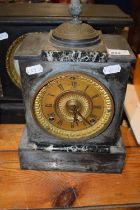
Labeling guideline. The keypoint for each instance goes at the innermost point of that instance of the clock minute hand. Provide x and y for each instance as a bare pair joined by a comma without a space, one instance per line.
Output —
75,115
83,118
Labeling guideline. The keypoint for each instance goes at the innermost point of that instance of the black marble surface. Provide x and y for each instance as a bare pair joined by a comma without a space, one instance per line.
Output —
75,56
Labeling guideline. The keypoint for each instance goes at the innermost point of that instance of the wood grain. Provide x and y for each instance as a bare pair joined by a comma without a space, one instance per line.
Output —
10,136
128,137
22,189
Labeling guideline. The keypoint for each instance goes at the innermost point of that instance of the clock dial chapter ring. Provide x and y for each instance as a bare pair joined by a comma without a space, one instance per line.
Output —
12,65
73,106
70,100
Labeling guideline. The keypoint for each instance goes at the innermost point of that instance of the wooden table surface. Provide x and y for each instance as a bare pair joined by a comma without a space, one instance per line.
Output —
25,189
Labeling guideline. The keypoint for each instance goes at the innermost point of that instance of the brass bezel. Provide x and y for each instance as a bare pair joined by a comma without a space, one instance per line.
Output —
15,78
78,135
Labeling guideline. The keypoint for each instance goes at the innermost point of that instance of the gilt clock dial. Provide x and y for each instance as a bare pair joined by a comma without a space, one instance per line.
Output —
12,65
73,106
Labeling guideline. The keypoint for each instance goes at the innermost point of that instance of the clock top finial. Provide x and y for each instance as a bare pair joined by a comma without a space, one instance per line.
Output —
75,9
74,33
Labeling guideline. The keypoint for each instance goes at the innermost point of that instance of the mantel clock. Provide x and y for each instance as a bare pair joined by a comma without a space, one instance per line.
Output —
73,81
21,19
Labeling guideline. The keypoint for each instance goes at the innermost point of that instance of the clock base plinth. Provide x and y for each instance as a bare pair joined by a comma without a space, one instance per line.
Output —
34,158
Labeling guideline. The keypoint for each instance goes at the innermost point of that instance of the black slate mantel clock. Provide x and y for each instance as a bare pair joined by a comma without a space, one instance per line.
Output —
17,20
73,81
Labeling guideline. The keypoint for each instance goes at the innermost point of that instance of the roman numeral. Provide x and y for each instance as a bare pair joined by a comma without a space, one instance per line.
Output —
86,88
61,87
97,107
60,122
48,105
50,94
74,84
51,114
95,96
72,125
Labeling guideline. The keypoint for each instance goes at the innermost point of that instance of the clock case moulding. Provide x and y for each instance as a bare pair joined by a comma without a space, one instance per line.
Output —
40,150
20,19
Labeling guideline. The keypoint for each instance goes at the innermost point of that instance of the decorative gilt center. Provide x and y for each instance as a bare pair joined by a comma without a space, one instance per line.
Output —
73,101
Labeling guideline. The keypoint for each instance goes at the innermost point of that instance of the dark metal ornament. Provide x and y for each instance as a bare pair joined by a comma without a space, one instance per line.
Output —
74,91
75,33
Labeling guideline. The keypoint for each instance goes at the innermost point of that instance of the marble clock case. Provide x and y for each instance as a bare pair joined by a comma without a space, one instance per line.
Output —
19,19
42,151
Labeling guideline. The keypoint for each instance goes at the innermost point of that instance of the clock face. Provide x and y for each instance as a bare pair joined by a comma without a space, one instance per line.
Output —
73,106
12,65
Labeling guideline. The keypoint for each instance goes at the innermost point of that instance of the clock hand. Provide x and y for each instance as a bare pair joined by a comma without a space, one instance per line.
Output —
75,119
83,118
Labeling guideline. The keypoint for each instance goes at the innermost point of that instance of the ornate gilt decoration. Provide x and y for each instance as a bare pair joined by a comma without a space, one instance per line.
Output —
10,65
73,106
